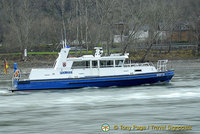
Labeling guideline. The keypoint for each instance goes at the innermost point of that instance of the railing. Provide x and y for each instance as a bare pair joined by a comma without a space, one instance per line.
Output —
138,64
121,65
162,65
106,66
81,67
101,66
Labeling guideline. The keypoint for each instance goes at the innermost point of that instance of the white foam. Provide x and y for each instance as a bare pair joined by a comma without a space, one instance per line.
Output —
5,93
92,98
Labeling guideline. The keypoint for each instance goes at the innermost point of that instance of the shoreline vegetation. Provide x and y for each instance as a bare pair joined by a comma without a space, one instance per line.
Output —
136,56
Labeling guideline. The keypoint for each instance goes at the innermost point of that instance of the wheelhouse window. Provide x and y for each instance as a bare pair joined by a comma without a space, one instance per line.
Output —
80,64
94,64
106,63
119,63
127,61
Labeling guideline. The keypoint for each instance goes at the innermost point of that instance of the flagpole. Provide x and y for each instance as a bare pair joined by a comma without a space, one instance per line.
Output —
5,66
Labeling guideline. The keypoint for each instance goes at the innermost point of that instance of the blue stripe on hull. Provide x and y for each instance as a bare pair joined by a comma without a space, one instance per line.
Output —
129,80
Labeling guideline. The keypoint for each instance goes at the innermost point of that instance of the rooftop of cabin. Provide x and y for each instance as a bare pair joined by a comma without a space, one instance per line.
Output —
91,57
98,56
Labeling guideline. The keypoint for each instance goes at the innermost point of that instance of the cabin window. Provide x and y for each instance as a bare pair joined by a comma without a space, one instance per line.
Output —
94,64
106,63
118,63
138,70
81,64
128,61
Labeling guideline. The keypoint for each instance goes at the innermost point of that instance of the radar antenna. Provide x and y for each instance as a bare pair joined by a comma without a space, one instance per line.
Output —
98,52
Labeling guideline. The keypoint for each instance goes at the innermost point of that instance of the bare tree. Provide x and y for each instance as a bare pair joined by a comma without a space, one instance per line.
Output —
93,21
194,20
86,23
105,14
136,19
21,16
154,15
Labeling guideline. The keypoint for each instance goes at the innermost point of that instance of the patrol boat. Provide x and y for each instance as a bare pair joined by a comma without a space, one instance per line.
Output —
92,71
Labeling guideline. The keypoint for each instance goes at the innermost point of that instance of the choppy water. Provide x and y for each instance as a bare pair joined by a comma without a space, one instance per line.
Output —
85,110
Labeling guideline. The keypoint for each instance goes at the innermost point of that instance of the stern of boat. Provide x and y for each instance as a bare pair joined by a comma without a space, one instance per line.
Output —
163,66
16,77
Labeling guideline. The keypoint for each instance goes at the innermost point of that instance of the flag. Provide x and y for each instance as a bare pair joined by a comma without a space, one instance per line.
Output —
6,66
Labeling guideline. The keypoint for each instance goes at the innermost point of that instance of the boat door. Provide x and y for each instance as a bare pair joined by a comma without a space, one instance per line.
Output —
94,68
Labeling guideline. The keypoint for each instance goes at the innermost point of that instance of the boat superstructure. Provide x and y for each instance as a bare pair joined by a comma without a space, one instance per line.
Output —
94,71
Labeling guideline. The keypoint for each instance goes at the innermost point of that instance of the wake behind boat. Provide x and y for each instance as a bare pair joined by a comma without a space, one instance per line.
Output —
92,71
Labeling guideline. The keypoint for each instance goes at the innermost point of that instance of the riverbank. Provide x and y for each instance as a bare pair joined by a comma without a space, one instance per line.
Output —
36,60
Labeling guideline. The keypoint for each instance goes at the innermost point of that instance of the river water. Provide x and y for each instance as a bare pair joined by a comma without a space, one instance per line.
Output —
86,110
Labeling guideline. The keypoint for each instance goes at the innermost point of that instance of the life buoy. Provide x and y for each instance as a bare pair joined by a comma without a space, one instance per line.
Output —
17,74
